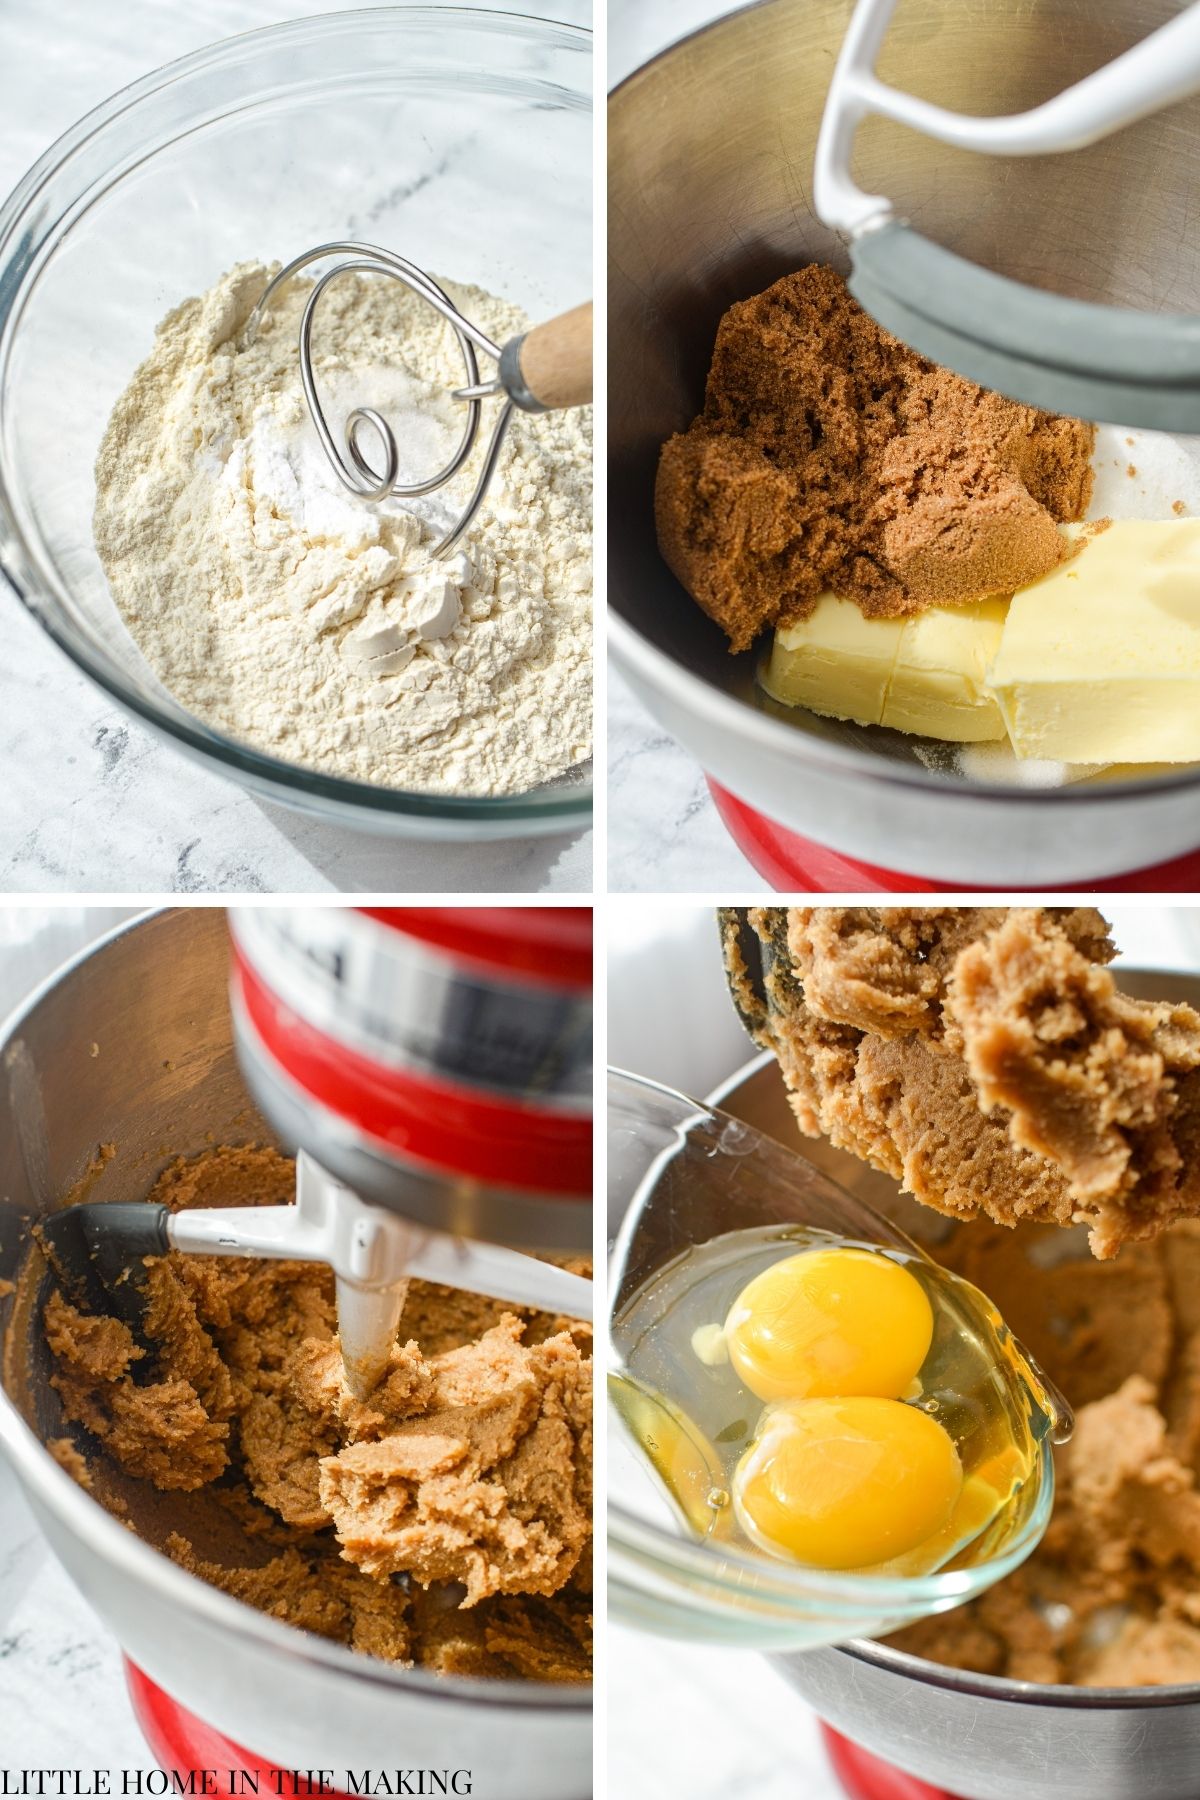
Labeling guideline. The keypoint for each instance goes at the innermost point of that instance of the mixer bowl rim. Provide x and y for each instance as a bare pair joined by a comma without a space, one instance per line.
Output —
728,712
902,1663
28,571
102,1535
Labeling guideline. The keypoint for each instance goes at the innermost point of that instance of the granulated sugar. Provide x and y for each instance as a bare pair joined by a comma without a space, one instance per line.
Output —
998,765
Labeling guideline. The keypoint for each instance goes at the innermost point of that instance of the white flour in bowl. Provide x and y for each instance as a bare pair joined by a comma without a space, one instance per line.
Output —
286,612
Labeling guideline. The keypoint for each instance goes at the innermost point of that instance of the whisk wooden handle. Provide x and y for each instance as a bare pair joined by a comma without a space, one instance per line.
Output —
553,363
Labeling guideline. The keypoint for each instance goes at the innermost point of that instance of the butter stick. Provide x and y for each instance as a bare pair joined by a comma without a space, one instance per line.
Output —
1099,661
939,684
926,674
835,662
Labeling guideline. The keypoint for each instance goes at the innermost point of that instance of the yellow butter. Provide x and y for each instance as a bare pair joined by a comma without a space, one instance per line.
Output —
939,682
835,662
1099,661
925,674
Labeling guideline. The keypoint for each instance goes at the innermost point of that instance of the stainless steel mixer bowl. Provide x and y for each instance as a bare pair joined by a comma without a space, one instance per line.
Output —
152,999
710,152
978,1736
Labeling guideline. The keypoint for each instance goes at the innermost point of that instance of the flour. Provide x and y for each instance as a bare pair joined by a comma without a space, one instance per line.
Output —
286,612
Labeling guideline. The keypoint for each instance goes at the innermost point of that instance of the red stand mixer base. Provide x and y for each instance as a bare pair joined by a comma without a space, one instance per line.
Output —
792,863
866,1777
181,1742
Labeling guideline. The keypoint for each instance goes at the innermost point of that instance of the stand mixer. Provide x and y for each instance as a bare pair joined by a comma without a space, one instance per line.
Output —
713,196
133,1044
433,1070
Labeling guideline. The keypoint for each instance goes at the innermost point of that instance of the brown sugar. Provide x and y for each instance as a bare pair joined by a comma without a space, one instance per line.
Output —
830,456
445,1520
984,1057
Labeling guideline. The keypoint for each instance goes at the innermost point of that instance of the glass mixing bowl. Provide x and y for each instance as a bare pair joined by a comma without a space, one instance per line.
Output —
461,139
680,1175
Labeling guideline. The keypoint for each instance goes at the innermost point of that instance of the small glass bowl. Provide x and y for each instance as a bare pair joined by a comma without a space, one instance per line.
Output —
460,138
681,1174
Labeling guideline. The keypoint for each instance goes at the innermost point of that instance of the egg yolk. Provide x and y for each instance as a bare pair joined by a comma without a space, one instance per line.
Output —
829,1322
845,1484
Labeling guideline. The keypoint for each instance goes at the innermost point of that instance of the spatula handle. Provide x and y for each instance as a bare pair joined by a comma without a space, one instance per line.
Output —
131,1228
551,366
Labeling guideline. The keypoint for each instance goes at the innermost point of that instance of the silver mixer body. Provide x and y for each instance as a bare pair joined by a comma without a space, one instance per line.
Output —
436,1062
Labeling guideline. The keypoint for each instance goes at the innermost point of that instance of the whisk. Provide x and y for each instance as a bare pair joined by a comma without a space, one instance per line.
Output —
543,370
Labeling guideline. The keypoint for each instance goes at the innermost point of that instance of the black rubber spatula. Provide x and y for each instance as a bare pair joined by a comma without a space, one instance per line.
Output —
99,1255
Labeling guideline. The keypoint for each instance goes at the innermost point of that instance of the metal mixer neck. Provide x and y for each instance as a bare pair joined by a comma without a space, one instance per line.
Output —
437,1062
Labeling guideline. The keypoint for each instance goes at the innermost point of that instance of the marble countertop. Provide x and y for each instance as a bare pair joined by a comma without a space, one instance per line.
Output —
90,800
664,832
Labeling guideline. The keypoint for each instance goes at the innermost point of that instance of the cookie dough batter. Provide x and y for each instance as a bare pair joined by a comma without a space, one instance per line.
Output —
445,1521
1111,1598
982,1056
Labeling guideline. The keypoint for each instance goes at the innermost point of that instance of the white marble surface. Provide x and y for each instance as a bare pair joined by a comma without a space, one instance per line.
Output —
89,799
688,1719
664,833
